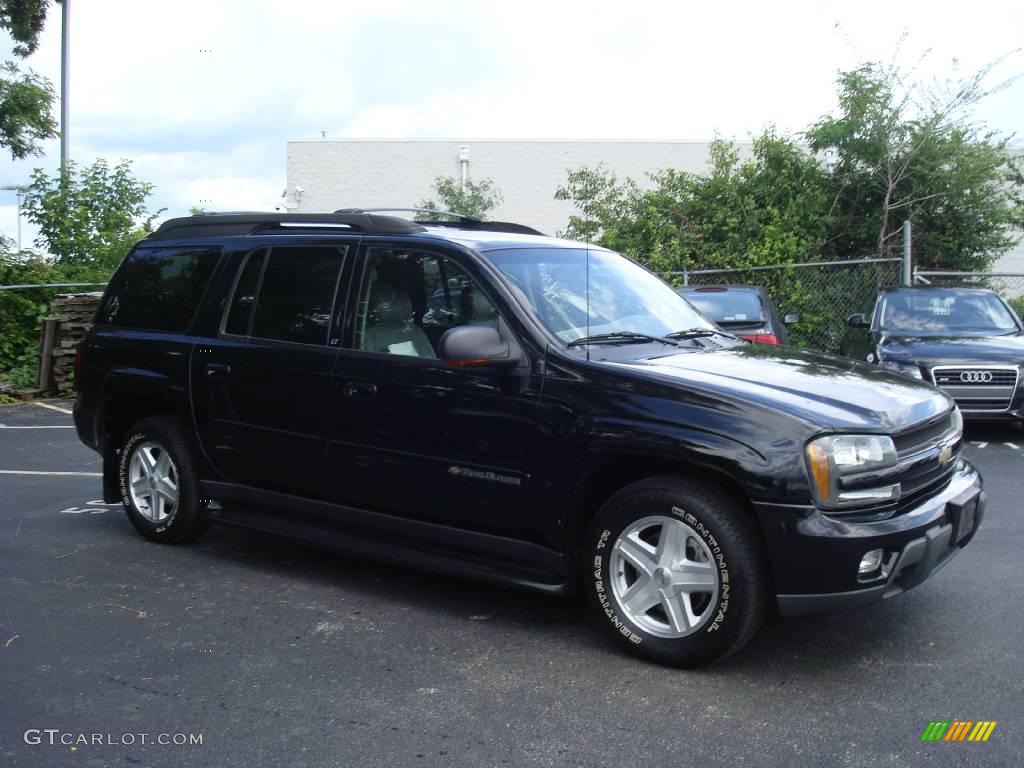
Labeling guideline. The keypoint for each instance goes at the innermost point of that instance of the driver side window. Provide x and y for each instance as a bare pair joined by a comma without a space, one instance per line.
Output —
410,298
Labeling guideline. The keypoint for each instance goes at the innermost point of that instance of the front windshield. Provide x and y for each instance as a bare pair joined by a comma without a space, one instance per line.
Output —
622,296
936,312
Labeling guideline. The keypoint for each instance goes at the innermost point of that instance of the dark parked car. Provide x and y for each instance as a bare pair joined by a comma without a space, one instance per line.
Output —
968,341
560,419
745,310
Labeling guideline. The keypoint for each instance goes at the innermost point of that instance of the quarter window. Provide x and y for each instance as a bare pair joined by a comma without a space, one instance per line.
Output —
158,288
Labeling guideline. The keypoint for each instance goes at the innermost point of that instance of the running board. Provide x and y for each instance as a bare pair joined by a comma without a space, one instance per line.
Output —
395,540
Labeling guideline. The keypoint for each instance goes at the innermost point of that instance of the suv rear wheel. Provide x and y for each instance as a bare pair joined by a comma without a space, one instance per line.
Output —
159,483
675,570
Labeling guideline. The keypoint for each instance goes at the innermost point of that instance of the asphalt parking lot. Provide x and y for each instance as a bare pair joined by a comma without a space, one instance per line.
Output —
280,655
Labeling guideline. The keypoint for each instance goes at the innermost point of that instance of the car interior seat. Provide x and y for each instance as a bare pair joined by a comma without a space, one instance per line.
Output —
389,327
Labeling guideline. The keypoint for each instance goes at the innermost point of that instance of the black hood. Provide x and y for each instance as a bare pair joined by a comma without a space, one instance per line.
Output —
827,391
940,350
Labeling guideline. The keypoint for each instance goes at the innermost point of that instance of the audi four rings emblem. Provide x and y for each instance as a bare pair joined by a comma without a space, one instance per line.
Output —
976,377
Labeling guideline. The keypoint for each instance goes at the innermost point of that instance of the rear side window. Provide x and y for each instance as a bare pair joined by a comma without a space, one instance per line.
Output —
296,294
728,306
159,288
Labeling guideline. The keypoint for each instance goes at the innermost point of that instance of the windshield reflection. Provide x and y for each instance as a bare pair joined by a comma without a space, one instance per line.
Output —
562,284
941,312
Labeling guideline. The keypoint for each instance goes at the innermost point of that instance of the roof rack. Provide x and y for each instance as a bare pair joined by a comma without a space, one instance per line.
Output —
227,224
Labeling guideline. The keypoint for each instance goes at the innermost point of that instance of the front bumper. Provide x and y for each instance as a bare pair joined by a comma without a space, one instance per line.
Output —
815,556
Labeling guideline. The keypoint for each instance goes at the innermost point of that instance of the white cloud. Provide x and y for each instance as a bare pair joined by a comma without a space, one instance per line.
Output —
201,125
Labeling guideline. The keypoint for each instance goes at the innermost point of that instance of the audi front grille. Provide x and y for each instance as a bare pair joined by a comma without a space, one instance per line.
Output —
978,388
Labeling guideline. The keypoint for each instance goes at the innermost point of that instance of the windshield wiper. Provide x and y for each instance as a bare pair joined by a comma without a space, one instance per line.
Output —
696,333
621,337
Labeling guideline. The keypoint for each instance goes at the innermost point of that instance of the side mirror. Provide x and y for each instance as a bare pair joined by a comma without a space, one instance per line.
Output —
858,320
791,319
470,346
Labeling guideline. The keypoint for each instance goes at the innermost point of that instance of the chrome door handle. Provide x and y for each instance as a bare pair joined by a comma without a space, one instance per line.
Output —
356,388
217,370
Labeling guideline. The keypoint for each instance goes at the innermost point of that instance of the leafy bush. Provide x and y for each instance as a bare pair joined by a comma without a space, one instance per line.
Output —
22,310
1018,306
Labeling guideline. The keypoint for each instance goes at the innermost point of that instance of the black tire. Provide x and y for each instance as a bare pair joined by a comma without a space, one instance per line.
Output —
729,617
186,519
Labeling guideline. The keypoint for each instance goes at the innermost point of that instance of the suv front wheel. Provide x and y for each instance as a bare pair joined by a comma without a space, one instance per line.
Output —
159,483
676,572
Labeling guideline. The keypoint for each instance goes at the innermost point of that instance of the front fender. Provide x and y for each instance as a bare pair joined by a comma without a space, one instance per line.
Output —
607,453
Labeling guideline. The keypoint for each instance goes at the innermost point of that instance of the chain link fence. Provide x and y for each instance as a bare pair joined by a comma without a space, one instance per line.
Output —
824,293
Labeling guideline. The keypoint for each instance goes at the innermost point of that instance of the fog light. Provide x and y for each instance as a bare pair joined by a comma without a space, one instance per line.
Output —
870,563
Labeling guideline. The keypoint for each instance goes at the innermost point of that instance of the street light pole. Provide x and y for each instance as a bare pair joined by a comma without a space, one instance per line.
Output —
65,42
19,189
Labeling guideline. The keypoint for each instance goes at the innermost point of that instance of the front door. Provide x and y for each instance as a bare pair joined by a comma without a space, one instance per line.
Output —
412,436
262,388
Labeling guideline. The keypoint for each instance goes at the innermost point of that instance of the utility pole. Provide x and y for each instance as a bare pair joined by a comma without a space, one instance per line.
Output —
908,266
65,35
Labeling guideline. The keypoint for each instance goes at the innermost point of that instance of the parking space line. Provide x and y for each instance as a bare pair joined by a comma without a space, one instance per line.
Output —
980,445
41,426
1012,445
53,408
36,472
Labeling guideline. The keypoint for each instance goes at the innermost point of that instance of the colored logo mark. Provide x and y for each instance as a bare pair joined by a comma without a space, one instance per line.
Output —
958,730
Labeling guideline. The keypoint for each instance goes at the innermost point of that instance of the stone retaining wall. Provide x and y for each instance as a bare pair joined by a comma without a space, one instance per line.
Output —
75,312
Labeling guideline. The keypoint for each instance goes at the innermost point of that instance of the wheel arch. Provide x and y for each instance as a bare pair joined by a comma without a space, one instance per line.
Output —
131,395
607,467
609,475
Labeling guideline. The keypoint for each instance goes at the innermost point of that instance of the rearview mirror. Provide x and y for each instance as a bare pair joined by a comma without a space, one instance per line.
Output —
857,320
470,346
791,319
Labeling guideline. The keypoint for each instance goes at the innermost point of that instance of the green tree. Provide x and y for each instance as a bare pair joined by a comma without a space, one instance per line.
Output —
475,200
895,150
26,99
769,208
899,149
90,218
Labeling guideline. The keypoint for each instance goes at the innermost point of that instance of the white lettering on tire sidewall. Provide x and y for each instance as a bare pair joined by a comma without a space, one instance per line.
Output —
717,555
122,480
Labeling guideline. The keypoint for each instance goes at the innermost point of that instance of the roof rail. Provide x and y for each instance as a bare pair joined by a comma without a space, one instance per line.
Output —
484,226
462,221
434,211
227,224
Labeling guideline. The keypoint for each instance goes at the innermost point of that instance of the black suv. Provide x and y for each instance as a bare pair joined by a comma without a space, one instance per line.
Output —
968,341
479,400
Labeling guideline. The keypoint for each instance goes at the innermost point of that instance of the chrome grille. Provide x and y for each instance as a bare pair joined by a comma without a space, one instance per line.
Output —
978,388
923,435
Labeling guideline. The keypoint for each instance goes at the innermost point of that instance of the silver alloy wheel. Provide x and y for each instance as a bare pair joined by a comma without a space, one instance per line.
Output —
153,482
663,576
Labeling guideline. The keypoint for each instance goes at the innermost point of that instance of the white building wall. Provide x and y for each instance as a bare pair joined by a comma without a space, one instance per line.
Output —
1013,260
400,173
372,174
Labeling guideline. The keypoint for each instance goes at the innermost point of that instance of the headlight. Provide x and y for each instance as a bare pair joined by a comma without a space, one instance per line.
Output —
906,368
835,458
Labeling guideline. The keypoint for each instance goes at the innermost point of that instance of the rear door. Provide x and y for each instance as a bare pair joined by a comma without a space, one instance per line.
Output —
261,388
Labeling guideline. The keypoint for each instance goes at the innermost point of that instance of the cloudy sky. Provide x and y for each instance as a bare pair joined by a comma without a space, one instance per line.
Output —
203,96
